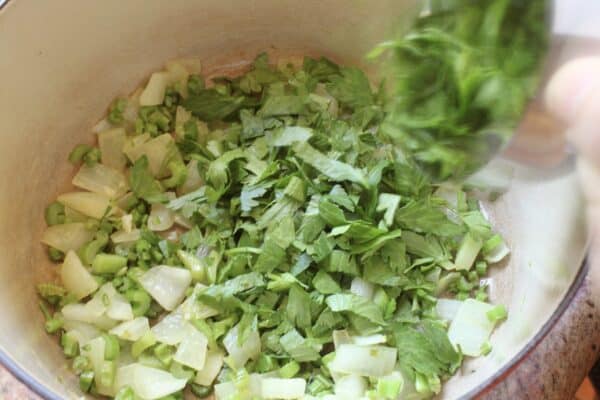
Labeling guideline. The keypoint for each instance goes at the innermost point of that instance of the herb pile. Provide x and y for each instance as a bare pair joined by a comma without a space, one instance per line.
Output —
264,238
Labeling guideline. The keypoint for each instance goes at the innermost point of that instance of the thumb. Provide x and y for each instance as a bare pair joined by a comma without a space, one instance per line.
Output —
573,95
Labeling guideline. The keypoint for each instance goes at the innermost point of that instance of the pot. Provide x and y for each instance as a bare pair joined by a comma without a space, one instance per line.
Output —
61,62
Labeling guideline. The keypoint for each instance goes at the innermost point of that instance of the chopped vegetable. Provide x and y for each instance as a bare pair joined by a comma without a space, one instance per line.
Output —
274,236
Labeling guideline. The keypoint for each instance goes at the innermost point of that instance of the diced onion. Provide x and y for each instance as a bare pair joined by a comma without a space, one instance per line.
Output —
369,340
467,252
471,328
447,308
111,144
166,285
161,218
94,351
154,93
148,383
193,180
171,329
132,330
76,278
191,352
91,204
341,337
362,288
351,387
117,306
67,237
225,390
125,237
101,179
212,367
371,361
81,331
156,150
241,353
279,388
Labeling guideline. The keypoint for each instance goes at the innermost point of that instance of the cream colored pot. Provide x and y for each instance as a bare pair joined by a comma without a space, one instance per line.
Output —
63,61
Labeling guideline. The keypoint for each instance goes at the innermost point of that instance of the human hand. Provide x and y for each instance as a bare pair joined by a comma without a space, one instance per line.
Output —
573,95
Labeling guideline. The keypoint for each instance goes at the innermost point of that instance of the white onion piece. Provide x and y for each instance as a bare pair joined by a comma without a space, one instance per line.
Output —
101,125
279,388
94,351
101,179
471,328
192,350
156,150
148,383
154,93
67,237
212,366
110,143
241,353
118,306
132,147
191,308
161,218
125,237
362,288
193,180
127,223
224,391
447,308
171,329
350,387
371,361
76,278
91,204
369,340
166,285
132,330
341,337
81,331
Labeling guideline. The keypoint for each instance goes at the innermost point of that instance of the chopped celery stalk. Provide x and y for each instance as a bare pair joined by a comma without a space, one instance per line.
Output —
91,204
78,153
389,387
55,214
167,285
240,353
67,237
76,278
154,93
178,174
146,341
495,249
69,344
350,387
111,347
108,263
279,388
161,218
447,308
200,391
467,252
194,264
111,144
164,353
471,327
497,314
371,361
140,301
289,370
132,330
94,351
148,383
102,180
88,251
85,381
192,350
55,254
212,367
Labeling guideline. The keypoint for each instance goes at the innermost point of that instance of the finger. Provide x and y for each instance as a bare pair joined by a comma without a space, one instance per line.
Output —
574,96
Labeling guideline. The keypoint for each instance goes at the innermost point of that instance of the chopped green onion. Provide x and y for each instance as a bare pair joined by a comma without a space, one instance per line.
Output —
55,214
85,381
498,313
69,344
125,393
111,347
